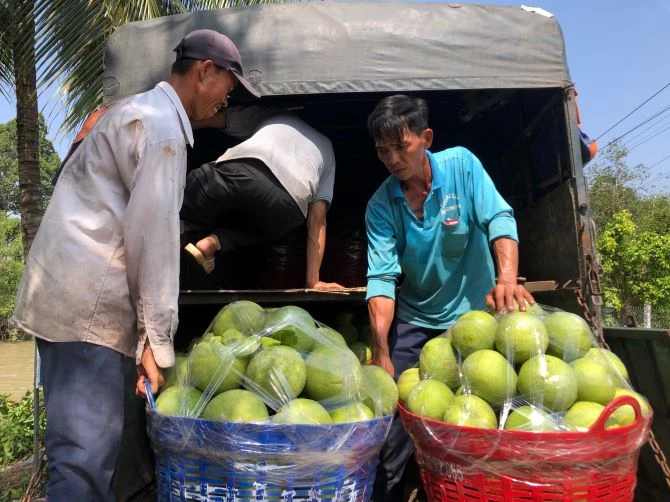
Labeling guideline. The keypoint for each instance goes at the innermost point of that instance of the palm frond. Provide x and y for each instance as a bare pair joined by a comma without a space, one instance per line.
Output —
71,37
6,51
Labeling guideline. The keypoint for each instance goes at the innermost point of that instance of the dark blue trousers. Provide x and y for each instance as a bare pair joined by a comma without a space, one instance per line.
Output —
405,343
83,391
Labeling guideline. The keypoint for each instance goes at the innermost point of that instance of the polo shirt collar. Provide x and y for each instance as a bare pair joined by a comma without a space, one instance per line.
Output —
437,178
185,121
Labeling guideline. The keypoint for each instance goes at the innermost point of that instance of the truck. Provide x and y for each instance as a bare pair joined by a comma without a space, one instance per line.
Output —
496,81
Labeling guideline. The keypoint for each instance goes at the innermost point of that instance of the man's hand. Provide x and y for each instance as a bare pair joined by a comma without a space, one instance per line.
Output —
327,286
384,362
148,370
503,295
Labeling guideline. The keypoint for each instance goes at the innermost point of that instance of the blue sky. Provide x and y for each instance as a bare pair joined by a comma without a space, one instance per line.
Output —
618,57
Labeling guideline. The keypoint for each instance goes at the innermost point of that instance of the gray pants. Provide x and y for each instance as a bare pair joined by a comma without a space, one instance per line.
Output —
83,391
405,343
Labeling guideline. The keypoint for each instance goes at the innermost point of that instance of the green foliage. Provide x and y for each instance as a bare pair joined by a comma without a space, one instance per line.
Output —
11,268
614,185
634,234
71,37
636,264
9,166
17,427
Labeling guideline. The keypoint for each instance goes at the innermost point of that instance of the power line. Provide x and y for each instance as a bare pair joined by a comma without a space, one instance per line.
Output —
636,109
638,125
649,138
651,126
662,160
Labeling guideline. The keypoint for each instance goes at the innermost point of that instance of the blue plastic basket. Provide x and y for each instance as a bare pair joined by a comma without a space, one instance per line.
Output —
225,461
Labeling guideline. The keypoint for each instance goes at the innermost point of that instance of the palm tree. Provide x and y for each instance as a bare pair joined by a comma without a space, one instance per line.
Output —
72,36
63,42
17,70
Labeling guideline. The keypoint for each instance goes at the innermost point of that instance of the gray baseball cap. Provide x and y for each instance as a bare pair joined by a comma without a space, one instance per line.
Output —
209,44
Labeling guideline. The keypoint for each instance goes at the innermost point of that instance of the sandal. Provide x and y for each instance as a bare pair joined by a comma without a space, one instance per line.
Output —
206,264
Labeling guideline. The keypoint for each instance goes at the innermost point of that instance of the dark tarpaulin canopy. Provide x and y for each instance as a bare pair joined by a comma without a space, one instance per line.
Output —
347,47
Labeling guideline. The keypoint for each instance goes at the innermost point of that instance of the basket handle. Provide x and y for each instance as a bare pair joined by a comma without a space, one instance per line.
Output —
612,406
150,396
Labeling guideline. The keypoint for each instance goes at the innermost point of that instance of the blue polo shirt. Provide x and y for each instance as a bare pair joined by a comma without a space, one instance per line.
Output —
446,259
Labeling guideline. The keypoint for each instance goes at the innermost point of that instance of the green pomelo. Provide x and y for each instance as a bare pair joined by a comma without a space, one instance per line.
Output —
245,316
178,401
625,415
292,326
430,398
583,414
611,361
520,336
277,373
549,382
534,309
594,382
474,330
363,352
231,336
351,412
569,335
177,374
241,344
406,382
206,336
471,411
302,411
266,342
532,419
379,391
329,337
438,361
237,405
487,374
333,373
211,363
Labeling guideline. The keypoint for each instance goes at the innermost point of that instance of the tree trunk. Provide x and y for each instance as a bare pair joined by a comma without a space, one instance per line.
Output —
27,121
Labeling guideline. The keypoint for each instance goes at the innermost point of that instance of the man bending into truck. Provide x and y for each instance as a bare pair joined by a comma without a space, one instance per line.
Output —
280,175
102,276
434,220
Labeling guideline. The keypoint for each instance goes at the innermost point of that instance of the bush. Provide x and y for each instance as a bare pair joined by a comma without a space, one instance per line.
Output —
16,427
11,268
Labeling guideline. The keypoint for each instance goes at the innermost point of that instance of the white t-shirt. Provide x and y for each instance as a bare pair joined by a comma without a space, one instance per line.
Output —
300,157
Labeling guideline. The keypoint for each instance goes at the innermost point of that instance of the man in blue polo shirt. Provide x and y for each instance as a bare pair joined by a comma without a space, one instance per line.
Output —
434,221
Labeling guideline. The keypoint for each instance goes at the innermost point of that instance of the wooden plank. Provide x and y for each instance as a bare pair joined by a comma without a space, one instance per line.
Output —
223,296
540,286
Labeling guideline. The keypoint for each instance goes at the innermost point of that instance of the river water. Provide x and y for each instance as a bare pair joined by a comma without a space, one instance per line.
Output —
16,368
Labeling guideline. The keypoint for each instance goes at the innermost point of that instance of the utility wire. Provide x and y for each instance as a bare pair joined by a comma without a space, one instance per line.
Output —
638,126
651,126
636,109
649,138
662,160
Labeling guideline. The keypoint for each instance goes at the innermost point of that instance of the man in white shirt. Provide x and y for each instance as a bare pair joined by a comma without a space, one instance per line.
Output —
280,175
102,277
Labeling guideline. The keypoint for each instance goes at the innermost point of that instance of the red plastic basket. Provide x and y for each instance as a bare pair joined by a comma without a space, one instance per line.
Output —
460,463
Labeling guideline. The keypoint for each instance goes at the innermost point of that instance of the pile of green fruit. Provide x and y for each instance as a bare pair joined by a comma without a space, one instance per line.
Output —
537,370
276,364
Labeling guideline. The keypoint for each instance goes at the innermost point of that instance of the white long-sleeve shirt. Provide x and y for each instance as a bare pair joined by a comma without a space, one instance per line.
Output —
104,265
